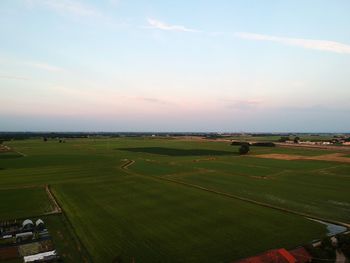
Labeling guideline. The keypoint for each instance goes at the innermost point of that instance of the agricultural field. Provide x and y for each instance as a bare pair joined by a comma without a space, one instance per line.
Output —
23,202
167,200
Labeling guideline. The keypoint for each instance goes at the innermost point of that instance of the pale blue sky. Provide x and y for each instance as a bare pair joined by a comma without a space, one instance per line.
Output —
123,65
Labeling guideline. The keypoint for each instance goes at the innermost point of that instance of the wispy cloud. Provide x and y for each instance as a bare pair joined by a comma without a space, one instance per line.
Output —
73,7
323,45
153,23
44,66
316,44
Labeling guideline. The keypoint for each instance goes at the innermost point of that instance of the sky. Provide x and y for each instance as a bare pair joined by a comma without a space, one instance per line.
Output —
185,65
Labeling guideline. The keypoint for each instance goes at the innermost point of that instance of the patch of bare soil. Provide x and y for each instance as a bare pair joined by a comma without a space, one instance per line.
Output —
333,157
56,208
8,253
29,249
127,163
4,148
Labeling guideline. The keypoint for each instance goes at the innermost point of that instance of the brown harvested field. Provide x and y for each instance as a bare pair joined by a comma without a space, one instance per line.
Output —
343,148
29,249
8,253
46,245
35,247
334,157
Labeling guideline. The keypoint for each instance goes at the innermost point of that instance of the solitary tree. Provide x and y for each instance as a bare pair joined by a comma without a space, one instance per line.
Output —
296,139
244,149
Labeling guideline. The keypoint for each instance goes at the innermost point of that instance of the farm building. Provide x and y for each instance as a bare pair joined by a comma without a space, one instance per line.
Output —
39,225
301,255
27,224
48,256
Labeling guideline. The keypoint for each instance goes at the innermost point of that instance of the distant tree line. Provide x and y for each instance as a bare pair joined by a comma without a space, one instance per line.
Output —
30,135
261,144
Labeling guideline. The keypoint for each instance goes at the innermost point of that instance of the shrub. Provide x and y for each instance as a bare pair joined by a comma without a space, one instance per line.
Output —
244,149
296,139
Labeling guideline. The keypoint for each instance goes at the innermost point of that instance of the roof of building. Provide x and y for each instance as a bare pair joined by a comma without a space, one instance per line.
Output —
27,221
301,255
39,256
272,256
38,222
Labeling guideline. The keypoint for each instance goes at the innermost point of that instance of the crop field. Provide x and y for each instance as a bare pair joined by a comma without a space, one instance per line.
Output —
167,200
23,202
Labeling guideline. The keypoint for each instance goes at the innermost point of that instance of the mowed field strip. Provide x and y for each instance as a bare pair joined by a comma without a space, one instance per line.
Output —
166,200
333,157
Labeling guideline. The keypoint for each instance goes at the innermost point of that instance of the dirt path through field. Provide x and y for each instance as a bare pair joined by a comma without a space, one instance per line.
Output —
333,157
56,208
5,148
127,164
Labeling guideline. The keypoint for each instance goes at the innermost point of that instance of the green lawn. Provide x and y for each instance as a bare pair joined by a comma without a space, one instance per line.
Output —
130,213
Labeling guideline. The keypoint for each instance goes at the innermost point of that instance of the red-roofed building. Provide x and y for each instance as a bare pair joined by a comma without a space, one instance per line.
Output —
299,255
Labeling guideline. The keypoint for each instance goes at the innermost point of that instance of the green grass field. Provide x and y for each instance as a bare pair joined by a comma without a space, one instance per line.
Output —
21,203
135,213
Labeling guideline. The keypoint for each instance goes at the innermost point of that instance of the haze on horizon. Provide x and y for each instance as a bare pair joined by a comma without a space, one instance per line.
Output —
127,65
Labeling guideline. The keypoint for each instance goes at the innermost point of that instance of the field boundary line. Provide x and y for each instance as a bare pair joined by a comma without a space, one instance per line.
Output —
127,164
57,209
9,149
